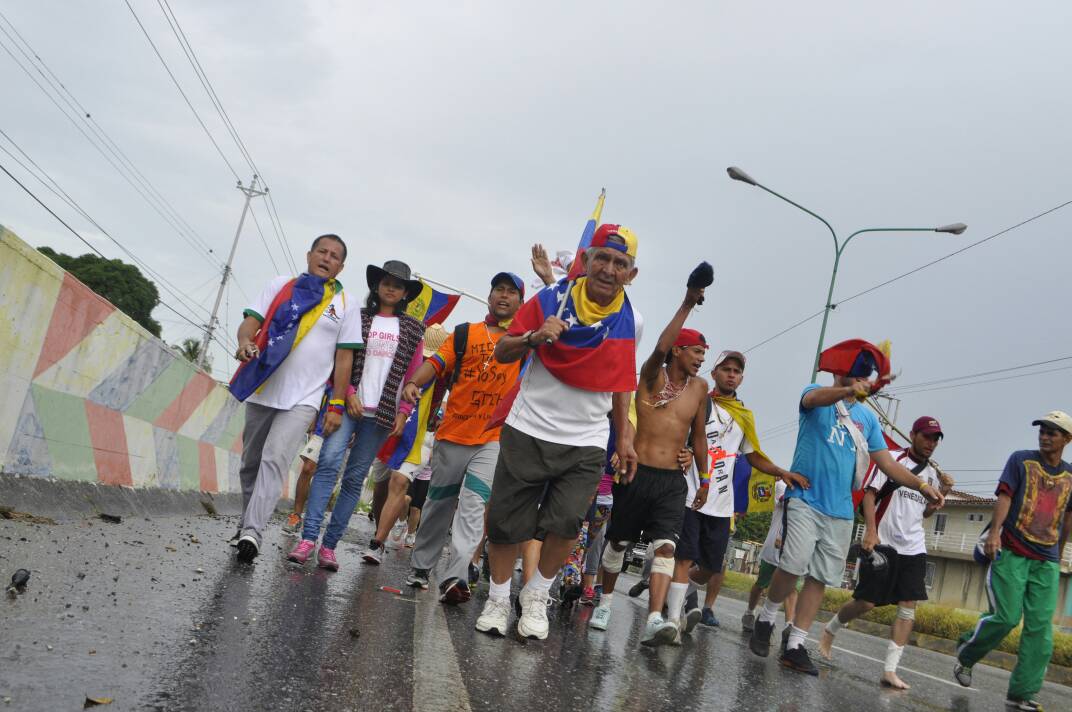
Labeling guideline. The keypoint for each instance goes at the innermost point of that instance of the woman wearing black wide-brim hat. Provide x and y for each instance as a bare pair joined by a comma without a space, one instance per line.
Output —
393,344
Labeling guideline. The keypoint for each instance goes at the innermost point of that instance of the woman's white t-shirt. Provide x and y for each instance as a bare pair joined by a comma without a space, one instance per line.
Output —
380,348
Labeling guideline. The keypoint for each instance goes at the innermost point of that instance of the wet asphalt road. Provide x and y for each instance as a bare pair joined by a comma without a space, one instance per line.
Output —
158,615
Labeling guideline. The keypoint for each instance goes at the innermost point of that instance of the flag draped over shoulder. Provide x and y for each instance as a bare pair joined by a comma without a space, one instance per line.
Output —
599,356
753,491
291,315
577,267
432,306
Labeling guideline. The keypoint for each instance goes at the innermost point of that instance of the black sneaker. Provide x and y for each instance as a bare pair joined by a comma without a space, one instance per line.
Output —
418,579
759,642
797,659
692,601
247,549
454,591
638,588
474,575
785,638
233,541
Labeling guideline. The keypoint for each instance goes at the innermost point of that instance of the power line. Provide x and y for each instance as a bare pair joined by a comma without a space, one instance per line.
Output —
217,103
899,388
119,168
179,87
253,214
913,271
986,381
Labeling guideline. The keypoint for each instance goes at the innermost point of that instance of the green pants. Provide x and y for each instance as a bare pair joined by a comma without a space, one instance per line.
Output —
1017,587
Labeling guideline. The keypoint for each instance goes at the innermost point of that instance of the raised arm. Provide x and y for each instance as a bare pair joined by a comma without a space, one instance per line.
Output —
650,370
829,395
541,265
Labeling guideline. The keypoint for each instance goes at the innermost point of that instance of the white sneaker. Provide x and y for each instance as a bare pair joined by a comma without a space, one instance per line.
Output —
533,620
659,632
411,538
495,616
600,618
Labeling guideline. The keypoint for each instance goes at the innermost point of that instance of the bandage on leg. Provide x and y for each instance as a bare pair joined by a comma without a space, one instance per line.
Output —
663,565
905,613
614,558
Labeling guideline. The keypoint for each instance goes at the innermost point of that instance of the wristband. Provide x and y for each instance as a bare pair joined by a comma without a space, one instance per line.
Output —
335,408
527,338
336,401
705,479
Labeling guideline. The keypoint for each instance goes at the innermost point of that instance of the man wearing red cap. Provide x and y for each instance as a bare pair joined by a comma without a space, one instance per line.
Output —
838,438
894,529
669,400
582,337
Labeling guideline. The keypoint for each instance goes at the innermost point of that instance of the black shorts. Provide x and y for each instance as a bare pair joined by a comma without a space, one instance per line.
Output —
540,487
903,580
703,539
418,492
653,504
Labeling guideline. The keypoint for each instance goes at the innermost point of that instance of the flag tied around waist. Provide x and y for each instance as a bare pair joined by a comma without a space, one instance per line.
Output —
291,315
598,356
432,306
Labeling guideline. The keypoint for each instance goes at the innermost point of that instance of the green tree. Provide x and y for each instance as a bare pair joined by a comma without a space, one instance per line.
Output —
120,283
190,349
753,526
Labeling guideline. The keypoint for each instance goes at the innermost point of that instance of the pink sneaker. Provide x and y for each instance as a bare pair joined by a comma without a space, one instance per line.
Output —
325,559
301,553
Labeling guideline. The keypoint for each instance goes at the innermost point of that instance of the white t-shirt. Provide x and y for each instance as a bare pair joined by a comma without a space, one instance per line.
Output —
725,440
300,379
379,355
548,409
900,515
770,553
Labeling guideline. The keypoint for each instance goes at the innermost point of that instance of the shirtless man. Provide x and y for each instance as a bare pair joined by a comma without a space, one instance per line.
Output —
670,400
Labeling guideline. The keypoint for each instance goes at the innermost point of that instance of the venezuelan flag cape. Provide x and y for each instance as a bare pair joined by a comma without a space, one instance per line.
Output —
577,268
408,445
597,357
291,315
753,491
431,306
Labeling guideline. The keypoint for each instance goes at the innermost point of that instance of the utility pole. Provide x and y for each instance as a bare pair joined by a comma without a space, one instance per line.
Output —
213,322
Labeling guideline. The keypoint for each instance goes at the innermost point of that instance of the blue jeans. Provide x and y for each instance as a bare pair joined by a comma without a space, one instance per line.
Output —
368,439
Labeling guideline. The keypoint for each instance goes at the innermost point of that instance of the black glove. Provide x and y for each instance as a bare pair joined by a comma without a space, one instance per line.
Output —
702,277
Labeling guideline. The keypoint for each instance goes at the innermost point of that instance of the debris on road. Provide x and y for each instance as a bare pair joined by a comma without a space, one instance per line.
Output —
111,518
19,580
96,701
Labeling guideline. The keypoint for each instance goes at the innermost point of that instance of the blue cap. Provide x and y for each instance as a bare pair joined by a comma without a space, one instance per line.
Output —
510,277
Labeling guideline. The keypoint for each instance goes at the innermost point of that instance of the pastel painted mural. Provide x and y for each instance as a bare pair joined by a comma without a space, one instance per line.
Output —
90,395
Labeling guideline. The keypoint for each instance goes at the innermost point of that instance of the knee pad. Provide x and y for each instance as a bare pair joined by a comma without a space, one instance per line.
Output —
906,614
613,559
663,565
660,543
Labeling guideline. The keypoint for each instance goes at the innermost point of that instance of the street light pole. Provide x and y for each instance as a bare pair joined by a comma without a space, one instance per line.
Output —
839,247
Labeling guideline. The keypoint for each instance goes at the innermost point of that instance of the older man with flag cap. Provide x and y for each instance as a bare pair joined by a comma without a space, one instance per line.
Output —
582,334
838,438
466,449
292,336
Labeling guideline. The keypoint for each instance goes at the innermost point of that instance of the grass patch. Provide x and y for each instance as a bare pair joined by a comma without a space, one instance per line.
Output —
934,619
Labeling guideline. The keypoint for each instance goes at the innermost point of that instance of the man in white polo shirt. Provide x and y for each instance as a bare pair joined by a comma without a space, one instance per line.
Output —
893,516
294,336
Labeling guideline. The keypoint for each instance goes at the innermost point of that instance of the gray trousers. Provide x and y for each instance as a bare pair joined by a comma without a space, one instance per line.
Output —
270,441
462,476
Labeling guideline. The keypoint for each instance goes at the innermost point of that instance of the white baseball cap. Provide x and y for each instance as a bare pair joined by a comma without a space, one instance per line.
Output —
1058,419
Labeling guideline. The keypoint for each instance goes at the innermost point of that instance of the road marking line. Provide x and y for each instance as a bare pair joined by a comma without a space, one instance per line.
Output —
900,669
437,678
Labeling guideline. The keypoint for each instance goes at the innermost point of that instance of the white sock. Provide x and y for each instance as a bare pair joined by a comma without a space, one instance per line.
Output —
769,611
834,625
796,638
538,583
893,656
606,599
499,591
675,599
690,588
754,611
655,616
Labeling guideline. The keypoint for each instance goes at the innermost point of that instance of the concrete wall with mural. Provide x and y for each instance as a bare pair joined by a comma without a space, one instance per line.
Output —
90,395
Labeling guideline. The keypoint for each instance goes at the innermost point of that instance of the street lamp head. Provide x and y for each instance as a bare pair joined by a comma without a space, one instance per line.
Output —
737,174
955,228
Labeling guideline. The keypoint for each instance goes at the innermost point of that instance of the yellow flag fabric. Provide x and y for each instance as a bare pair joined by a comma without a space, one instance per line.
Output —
588,311
424,411
310,317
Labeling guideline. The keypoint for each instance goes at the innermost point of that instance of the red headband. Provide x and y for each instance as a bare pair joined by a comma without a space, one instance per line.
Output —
690,337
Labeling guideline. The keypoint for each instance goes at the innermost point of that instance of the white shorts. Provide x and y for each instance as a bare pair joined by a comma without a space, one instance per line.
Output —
311,451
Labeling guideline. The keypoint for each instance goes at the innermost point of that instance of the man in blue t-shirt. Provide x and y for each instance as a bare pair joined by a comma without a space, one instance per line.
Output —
1027,533
818,521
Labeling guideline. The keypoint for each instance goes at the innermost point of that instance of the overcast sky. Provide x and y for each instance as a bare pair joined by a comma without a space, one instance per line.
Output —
454,135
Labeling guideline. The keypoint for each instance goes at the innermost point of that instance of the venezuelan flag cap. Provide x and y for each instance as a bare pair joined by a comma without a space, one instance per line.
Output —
628,238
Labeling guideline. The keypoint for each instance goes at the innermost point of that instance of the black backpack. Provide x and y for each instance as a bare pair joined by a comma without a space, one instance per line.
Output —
461,343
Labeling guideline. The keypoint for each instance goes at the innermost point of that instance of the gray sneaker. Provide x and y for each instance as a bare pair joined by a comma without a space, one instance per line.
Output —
659,632
748,622
963,674
691,619
600,618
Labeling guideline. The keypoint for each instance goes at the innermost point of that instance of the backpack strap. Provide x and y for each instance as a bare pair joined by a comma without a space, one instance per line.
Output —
461,344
